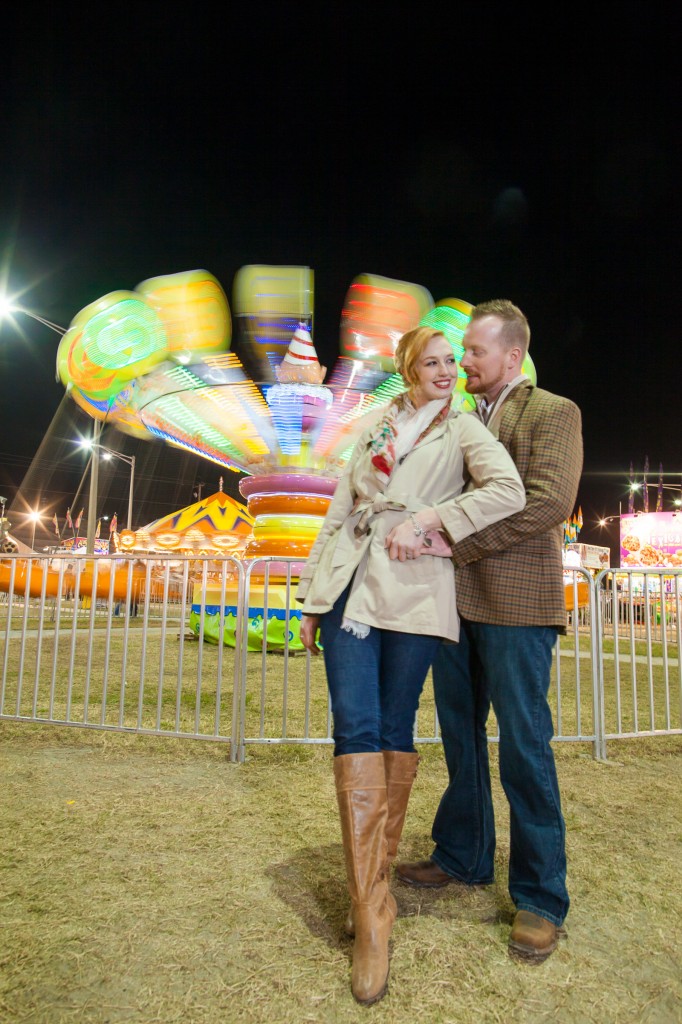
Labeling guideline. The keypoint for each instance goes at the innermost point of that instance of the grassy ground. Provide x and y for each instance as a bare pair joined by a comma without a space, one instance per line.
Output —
151,880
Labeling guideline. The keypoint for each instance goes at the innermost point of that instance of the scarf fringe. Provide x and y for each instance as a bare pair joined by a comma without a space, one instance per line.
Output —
358,629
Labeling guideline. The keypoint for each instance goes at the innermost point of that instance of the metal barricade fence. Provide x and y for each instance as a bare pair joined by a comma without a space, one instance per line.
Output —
285,700
205,648
283,696
111,644
639,638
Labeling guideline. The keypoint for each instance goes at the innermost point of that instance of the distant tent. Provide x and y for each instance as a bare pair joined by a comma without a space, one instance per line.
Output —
214,525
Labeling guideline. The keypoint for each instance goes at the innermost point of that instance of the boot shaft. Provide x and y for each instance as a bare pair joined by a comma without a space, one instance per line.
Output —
401,770
361,795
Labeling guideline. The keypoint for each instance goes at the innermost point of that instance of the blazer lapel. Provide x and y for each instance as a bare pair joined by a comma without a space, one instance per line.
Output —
513,410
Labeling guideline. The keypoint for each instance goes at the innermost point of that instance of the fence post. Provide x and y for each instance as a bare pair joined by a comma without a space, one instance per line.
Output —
241,626
597,644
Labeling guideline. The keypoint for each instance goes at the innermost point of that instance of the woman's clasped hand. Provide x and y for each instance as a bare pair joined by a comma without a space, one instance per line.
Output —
404,542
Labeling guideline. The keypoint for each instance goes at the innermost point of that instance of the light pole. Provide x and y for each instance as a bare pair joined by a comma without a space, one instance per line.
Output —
107,453
92,494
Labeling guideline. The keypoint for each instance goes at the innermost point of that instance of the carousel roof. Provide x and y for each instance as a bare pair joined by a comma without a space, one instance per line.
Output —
217,523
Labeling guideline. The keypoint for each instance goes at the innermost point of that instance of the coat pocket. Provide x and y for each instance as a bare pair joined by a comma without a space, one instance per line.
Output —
348,548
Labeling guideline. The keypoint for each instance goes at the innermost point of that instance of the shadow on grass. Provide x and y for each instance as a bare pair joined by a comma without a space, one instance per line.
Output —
313,885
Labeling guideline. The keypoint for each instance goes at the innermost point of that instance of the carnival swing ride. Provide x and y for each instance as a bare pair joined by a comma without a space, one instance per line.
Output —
158,361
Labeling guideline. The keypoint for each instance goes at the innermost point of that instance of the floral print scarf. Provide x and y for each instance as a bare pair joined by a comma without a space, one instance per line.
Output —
383,441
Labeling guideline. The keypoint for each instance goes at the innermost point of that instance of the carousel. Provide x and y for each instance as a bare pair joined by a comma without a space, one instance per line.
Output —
158,362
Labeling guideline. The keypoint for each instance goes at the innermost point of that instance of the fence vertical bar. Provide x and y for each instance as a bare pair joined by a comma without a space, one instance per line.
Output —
241,641
597,654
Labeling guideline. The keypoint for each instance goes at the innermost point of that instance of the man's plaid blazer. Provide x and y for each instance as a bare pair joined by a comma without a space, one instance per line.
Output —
510,573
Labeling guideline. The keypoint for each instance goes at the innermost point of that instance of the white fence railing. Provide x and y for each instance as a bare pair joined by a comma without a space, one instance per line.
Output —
209,649
638,633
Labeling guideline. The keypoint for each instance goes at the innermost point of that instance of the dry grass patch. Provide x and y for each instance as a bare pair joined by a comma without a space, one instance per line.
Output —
152,880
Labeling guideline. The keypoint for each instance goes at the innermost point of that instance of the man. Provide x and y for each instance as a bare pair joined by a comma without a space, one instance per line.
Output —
510,596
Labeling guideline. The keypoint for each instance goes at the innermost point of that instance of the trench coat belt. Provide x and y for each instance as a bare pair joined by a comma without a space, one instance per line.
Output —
368,507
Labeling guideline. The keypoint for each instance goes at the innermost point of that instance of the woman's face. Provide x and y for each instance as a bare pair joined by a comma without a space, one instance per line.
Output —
436,371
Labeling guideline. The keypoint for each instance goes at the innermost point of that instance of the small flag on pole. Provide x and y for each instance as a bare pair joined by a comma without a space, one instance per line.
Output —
78,521
113,525
56,523
69,520
659,493
97,531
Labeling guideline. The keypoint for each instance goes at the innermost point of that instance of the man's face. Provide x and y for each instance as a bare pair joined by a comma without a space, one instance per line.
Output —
486,362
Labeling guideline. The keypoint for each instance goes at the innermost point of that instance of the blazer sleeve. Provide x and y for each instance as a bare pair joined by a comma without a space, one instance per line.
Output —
497,489
551,483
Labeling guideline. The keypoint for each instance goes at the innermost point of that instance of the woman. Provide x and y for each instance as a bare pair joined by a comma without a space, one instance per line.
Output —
382,599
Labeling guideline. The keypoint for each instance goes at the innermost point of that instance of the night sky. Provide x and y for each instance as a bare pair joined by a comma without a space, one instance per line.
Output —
480,154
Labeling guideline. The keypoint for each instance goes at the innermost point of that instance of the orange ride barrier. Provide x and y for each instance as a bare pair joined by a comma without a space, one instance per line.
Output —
35,576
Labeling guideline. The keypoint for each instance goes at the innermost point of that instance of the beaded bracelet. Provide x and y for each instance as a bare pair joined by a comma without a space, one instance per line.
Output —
419,531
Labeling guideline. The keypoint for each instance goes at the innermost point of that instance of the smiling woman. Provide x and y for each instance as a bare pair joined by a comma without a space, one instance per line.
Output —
432,374
382,599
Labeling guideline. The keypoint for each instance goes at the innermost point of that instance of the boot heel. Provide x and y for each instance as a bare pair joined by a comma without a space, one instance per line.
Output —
369,980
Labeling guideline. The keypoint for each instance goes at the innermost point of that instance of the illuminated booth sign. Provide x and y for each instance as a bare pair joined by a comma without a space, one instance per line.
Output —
651,540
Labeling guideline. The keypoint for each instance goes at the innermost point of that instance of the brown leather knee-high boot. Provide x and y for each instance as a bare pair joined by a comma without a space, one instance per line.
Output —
361,794
401,770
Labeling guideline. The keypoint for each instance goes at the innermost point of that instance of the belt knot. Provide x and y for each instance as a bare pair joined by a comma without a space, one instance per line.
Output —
366,508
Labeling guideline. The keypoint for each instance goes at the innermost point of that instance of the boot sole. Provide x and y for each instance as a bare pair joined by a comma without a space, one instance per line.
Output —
424,885
372,999
531,955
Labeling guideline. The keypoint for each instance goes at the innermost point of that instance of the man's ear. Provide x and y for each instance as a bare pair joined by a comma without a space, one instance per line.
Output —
515,358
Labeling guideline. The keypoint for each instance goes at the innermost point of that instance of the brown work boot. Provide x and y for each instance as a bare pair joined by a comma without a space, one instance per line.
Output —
423,874
533,938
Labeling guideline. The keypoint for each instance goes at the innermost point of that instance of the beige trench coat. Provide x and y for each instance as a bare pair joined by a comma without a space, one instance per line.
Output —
416,596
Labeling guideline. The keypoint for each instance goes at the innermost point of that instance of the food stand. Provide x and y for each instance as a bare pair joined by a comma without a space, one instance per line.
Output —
582,556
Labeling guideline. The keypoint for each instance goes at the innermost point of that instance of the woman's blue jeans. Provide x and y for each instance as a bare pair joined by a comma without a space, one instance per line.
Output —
375,683
508,666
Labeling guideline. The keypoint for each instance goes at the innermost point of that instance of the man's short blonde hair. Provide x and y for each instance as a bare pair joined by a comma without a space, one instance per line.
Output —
409,350
515,328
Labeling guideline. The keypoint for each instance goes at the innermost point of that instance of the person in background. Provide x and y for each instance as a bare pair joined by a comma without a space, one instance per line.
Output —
379,586
510,597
